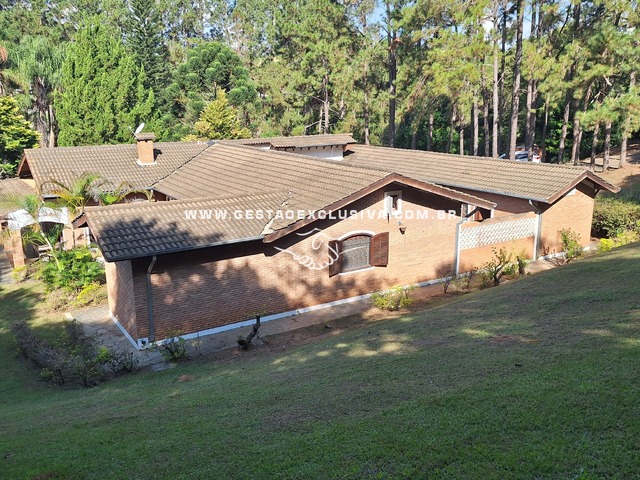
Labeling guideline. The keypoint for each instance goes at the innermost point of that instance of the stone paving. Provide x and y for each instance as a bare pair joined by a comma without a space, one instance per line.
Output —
5,268
97,322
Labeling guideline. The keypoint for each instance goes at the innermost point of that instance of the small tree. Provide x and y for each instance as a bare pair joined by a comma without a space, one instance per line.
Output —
15,135
219,121
495,268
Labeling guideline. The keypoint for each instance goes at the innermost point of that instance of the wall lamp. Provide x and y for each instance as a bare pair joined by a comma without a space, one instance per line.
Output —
402,227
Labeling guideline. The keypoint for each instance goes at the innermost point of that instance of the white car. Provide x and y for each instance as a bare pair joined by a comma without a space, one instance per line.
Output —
523,156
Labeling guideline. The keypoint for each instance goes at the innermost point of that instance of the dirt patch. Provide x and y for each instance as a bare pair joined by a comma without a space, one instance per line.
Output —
627,177
425,298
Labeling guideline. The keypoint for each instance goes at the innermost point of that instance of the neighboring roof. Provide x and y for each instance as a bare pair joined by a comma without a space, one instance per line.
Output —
141,229
534,181
12,188
297,141
115,163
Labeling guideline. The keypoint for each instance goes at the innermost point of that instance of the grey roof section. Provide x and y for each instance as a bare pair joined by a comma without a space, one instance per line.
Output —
13,188
299,141
115,163
534,181
141,229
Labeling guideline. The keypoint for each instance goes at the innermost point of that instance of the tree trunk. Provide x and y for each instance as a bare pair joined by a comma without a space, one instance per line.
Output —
486,129
503,56
517,67
476,126
607,145
578,130
626,127
461,140
392,69
532,93
430,132
543,138
563,132
325,83
496,105
594,146
367,139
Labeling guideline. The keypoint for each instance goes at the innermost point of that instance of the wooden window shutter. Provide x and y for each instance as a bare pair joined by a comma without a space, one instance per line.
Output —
335,264
379,250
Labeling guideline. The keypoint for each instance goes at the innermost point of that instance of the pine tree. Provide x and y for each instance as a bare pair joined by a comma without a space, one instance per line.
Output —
103,91
219,121
144,38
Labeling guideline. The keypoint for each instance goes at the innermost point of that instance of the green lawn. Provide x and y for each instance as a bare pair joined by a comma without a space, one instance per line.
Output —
539,378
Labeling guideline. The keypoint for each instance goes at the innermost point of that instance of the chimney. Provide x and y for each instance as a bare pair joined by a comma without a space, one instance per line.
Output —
144,143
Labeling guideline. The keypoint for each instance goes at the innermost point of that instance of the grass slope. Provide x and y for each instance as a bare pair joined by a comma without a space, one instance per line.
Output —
535,379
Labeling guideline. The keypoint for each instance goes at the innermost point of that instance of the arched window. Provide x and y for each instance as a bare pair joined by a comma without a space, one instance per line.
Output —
357,252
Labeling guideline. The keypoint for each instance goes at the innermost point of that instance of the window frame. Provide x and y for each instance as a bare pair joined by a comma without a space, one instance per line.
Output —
378,252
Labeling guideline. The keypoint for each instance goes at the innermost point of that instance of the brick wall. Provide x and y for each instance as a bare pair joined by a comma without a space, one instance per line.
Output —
121,294
573,211
203,289
207,288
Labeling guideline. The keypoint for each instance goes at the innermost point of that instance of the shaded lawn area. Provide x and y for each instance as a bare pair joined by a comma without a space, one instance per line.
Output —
534,379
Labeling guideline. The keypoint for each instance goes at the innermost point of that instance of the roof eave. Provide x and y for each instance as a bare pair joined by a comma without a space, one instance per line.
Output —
176,250
585,175
391,178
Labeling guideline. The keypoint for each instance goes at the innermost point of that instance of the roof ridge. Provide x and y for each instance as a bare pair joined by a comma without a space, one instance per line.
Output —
140,204
467,157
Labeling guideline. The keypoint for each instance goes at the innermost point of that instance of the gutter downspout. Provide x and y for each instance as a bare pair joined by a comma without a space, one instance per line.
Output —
152,333
456,257
536,240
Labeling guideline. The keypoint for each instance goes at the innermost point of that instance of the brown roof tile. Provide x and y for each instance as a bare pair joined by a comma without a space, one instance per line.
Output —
11,188
115,163
297,141
535,181
229,170
313,184
142,229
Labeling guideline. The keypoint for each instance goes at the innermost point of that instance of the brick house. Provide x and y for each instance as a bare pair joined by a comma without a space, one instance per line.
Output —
279,226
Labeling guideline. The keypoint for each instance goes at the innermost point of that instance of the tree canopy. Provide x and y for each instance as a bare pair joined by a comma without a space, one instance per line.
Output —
15,135
477,77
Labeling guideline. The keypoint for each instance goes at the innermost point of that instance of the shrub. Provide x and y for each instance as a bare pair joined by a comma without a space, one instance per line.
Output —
494,269
92,294
174,348
614,215
571,244
393,299
625,238
72,270
521,260
20,274
116,361
73,359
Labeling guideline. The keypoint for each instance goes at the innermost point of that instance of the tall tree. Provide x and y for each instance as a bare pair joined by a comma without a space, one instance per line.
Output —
144,37
15,135
517,71
37,64
209,66
103,91
219,121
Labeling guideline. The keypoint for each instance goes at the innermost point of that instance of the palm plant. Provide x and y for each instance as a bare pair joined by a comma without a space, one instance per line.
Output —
78,194
32,233
119,194
36,65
